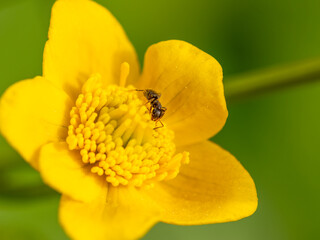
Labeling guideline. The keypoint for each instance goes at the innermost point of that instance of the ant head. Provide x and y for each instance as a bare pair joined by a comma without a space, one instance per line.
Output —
149,94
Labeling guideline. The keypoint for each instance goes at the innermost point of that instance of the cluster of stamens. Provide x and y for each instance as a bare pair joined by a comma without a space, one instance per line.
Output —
114,134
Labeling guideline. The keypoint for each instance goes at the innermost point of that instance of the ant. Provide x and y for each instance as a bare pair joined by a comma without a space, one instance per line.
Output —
156,110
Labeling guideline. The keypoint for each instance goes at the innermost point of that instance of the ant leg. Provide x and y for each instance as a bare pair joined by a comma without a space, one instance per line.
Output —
150,102
130,90
148,107
160,126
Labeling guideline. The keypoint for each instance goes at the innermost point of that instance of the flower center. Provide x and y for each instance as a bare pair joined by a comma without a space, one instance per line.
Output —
115,136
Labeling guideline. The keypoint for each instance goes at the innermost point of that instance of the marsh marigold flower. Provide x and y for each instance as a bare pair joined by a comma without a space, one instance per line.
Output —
88,131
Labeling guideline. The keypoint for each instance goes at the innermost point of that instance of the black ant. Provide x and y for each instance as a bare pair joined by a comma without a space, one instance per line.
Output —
156,110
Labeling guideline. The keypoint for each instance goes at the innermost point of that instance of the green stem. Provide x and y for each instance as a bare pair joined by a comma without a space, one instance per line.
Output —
267,80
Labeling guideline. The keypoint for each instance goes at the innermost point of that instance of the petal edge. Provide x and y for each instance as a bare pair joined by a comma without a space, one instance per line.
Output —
85,38
120,214
64,171
190,82
32,113
209,190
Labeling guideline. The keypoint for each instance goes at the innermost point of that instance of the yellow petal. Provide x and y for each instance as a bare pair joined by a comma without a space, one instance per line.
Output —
213,188
64,171
33,113
84,38
122,213
190,82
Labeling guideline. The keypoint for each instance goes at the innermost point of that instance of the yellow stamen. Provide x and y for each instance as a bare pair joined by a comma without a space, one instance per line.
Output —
124,73
113,132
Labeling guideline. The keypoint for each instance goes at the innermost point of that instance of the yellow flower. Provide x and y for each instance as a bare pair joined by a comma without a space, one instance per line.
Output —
88,131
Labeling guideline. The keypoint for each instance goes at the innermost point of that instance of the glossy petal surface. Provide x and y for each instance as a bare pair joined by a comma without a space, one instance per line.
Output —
33,113
64,171
119,214
213,188
190,82
84,38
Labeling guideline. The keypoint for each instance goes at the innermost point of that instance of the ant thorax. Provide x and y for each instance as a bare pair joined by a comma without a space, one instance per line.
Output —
156,110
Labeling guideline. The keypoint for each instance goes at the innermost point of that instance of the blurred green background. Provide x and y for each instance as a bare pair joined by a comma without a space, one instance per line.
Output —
274,135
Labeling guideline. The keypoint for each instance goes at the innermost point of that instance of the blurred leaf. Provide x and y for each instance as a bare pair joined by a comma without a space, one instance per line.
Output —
21,181
30,220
